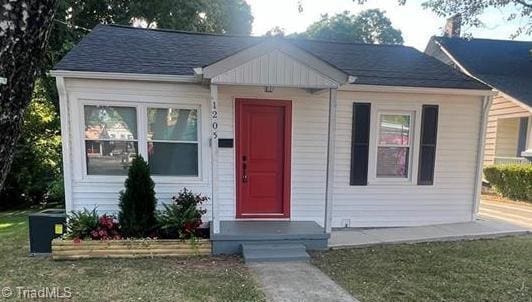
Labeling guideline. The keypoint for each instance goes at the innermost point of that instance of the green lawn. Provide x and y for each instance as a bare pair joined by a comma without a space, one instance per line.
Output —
191,279
482,270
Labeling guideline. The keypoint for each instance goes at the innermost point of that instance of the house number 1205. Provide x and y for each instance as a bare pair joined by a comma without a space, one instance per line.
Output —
214,116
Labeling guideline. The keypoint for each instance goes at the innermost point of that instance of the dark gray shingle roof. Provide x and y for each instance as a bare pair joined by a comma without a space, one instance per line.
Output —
503,64
121,49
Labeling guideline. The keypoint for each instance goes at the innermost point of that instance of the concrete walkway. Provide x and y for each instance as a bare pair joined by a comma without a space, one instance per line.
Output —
297,281
515,212
481,228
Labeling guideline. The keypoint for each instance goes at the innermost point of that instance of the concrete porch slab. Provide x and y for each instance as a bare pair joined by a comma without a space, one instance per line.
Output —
233,234
478,229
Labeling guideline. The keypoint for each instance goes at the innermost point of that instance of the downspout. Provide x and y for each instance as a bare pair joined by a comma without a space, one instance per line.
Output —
485,107
331,139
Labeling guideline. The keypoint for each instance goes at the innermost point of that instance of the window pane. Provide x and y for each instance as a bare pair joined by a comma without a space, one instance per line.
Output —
175,159
392,162
172,124
109,157
105,122
394,130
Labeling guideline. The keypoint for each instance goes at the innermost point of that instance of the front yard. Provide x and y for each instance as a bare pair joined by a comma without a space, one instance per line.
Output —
166,279
482,270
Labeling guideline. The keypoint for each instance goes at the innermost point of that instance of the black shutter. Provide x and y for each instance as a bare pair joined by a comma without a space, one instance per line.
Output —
427,150
360,144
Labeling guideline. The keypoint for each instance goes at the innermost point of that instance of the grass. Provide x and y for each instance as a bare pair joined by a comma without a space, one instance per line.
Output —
163,279
482,270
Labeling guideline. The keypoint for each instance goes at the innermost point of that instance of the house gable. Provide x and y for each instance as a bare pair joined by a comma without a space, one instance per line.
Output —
275,63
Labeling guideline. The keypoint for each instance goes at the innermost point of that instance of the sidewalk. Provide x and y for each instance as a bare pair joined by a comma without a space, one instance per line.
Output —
481,228
297,281
499,208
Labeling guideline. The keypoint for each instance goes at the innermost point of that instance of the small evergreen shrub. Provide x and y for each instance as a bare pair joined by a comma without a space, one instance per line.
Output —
182,217
137,201
511,180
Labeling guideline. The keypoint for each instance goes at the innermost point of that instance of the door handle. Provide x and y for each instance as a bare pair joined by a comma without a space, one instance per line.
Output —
244,170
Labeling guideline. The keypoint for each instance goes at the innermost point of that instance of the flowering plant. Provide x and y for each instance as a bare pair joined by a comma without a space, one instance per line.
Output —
107,228
87,224
182,217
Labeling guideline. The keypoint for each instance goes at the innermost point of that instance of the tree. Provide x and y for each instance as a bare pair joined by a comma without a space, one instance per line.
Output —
370,26
35,171
24,31
470,10
137,201
276,31
73,20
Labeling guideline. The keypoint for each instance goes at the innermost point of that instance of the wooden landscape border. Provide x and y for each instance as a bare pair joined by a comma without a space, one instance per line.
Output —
86,249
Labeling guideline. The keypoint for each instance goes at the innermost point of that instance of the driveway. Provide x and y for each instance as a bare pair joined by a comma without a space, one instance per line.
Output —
494,207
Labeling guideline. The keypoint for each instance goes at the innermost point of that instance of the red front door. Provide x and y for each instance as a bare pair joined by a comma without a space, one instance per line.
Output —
263,143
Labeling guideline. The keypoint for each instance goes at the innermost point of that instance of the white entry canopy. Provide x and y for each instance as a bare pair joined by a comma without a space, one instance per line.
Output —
274,62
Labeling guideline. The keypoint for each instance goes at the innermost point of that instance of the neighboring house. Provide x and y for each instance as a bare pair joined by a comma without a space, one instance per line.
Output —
274,130
506,66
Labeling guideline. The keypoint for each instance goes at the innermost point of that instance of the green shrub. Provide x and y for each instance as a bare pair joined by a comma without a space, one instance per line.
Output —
81,224
511,180
137,201
182,217
87,224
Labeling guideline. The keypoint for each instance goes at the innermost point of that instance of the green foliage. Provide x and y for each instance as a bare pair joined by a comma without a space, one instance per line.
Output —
511,180
137,201
81,224
471,10
182,217
36,167
370,26
35,175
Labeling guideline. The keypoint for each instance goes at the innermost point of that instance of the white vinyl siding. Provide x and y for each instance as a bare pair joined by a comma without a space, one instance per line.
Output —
450,199
274,69
309,150
89,191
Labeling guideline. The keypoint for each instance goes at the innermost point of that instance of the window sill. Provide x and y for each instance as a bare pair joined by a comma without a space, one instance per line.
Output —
396,184
159,180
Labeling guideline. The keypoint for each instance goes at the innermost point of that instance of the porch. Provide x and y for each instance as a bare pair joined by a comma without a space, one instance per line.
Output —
233,235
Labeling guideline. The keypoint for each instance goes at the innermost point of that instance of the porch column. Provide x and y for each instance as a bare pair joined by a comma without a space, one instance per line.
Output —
214,160
330,160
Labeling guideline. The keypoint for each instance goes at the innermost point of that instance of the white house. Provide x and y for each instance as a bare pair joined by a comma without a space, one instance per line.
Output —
288,136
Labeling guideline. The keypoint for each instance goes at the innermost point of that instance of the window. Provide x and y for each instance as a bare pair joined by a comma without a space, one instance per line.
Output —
173,141
394,143
111,140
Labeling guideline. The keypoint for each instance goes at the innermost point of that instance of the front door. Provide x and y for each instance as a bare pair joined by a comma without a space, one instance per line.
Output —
263,144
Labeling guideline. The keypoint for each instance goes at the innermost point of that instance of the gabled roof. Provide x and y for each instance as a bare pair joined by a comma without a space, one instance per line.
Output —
123,49
503,64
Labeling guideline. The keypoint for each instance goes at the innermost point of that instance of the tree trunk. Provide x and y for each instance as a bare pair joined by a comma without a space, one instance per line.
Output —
24,31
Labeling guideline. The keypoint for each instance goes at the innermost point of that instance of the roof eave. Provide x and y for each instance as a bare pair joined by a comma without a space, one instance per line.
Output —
420,90
125,76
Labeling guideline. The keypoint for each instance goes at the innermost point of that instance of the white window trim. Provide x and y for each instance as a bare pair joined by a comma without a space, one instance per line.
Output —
142,131
415,121
162,178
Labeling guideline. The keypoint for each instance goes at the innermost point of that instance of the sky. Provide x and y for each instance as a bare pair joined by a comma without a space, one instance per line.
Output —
416,24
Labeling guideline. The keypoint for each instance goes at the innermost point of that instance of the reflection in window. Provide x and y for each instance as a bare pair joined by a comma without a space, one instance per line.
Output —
393,148
173,141
110,139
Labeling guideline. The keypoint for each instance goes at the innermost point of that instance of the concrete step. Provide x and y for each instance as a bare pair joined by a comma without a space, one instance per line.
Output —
274,252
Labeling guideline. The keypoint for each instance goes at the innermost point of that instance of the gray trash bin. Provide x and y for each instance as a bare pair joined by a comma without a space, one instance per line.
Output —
45,226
